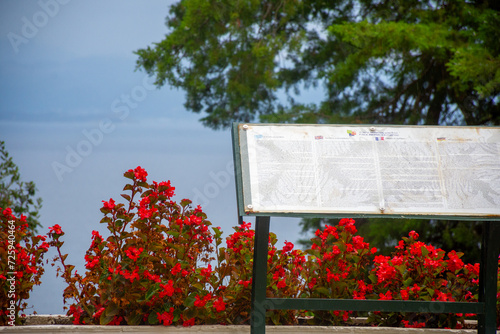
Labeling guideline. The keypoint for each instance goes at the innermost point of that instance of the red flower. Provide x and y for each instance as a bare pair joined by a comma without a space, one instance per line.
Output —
385,271
97,315
55,229
312,283
151,277
288,246
168,289
407,324
281,284
188,323
76,312
166,317
134,253
401,244
176,269
131,276
404,294
219,305
414,235
7,212
349,225
166,189
245,283
195,220
110,205
207,271
330,276
139,173
358,242
387,296
454,263
144,211
201,302
44,246
91,261
474,269
245,226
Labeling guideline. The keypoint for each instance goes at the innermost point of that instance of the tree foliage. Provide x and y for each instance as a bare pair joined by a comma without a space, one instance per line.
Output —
387,61
16,194
374,61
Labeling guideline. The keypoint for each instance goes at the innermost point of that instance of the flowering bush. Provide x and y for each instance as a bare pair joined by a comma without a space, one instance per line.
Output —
417,271
156,265
283,276
337,267
21,267
163,263
154,268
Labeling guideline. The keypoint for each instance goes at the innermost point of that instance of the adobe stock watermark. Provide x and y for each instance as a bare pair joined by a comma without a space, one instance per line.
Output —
94,136
30,27
12,274
220,181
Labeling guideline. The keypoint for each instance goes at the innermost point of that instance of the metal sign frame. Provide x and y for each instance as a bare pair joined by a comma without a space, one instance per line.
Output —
490,250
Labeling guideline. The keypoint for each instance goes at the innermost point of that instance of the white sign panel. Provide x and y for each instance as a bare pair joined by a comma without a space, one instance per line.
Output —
407,170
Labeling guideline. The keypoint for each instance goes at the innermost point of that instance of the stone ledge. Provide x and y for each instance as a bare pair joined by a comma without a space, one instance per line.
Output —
52,324
213,329
47,319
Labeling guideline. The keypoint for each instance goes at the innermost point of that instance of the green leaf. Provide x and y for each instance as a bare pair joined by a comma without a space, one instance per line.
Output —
134,318
189,301
152,291
322,290
153,318
408,282
104,319
190,313
111,310
146,193
425,252
175,234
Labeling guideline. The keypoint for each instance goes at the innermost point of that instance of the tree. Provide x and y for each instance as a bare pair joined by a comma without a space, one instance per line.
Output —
15,194
375,61
387,61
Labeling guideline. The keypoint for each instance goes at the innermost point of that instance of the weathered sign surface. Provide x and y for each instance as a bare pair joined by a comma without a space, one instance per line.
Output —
370,170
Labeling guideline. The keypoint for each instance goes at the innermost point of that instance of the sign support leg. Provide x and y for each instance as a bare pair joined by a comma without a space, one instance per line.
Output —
259,276
488,277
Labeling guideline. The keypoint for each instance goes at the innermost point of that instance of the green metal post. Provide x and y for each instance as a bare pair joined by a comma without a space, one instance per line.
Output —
488,277
259,276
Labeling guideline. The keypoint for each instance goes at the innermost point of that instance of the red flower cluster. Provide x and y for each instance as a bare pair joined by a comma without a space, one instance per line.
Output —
166,317
55,229
110,205
21,267
243,236
134,253
202,301
219,305
139,173
168,289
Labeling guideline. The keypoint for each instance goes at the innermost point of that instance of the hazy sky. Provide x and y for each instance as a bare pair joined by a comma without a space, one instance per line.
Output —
75,115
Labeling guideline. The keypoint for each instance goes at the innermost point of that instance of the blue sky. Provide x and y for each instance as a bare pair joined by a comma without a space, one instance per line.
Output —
75,115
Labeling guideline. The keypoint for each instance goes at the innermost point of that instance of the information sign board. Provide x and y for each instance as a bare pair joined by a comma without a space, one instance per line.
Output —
369,170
